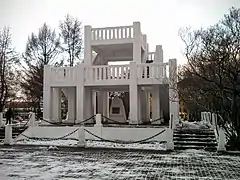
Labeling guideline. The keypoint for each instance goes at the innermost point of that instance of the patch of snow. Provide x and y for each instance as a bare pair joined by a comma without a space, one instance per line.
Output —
90,143
152,146
195,125
52,148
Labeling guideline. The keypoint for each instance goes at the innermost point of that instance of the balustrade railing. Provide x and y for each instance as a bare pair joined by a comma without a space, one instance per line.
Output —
62,73
151,56
112,72
111,33
146,70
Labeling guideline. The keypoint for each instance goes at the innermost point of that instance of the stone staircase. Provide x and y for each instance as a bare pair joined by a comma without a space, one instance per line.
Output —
194,139
15,132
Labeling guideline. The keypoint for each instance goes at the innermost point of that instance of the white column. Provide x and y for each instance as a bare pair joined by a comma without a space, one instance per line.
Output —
158,54
88,106
155,104
148,105
145,53
56,105
221,140
87,45
173,93
1,119
140,105
100,102
137,50
8,135
159,58
108,105
80,94
144,102
133,94
94,97
104,103
47,93
71,104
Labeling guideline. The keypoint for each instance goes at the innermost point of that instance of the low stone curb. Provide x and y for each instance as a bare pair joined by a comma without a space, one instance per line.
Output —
75,148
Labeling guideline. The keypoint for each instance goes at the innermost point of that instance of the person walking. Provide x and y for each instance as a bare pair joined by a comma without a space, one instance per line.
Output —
9,115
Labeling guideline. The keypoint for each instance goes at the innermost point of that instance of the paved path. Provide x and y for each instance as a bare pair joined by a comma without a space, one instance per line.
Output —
46,164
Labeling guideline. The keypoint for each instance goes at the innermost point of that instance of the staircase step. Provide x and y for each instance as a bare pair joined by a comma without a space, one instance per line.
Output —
206,139
194,139
179,147
195,143
193,132
194,135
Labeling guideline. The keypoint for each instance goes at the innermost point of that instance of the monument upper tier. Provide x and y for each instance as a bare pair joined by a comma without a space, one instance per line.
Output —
112,44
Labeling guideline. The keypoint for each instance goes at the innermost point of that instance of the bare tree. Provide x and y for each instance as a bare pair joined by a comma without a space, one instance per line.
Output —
213,70
71,33
42,49
8,61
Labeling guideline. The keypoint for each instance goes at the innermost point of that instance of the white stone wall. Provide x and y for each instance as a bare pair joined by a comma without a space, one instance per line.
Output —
110,133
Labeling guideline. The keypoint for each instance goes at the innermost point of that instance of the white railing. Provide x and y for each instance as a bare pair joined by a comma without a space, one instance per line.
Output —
107,72
62,73
153,70
111,33
151,56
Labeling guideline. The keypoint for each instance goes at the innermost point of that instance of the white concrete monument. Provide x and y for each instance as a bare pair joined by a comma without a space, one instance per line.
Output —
117,110
81,83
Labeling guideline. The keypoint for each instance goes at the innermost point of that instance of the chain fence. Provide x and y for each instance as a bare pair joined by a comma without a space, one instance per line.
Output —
106,120
94,135
125,142
70,124
89,132
49,139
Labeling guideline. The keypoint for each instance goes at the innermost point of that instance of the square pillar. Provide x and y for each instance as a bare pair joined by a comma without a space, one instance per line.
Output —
139,104
133,94
47,93
100,102
94,101
87,45
148,104
158,58
56,105
88,106
105,104
137,43
80,94
144,106
173,93
71,104
155,104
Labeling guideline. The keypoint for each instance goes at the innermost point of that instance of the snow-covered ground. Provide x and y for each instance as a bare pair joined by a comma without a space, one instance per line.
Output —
90,143
195,125
49,164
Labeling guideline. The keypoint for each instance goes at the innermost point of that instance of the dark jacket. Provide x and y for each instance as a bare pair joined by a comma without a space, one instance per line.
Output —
9,114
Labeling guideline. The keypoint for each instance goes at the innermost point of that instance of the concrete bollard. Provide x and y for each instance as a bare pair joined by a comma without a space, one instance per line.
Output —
32,119
1,119
170,144
8,135
81,137
98,120
221,140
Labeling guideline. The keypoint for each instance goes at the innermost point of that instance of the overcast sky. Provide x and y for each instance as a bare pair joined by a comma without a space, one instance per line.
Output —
160,19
